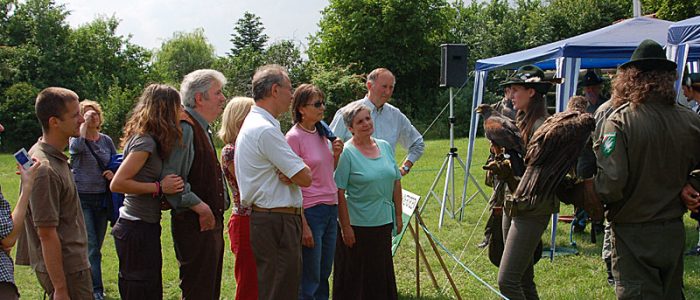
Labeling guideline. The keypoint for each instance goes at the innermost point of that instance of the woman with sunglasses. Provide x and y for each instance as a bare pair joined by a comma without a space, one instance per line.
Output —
310,140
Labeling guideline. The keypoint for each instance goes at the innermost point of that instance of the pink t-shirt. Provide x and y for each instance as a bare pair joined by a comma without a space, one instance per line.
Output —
316,153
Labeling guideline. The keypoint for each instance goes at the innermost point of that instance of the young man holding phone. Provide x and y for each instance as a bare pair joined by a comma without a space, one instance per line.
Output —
54,227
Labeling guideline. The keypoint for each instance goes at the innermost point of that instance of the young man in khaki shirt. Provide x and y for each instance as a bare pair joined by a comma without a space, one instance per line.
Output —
55,228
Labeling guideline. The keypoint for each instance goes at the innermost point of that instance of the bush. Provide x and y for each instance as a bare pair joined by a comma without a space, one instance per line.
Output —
117,108
22,129
339,85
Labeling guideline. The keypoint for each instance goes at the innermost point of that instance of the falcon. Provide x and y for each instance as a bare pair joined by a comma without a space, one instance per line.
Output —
504,135
552,152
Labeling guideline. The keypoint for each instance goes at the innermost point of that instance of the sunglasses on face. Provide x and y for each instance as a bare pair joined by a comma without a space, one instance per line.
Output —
317,104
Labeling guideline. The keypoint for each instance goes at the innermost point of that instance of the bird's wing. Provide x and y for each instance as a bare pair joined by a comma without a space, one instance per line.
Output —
554,149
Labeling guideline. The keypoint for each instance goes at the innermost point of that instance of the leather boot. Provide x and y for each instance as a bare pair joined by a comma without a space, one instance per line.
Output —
608,265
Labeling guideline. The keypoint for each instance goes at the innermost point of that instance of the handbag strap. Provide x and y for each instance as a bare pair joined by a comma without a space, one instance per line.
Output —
99,162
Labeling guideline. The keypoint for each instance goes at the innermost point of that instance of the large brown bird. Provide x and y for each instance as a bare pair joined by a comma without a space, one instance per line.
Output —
552,151
500,130
503,133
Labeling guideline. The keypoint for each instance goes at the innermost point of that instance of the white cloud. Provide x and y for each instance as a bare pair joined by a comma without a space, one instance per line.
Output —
150,22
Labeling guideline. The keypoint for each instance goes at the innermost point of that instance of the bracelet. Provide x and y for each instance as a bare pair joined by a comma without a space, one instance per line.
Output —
158,190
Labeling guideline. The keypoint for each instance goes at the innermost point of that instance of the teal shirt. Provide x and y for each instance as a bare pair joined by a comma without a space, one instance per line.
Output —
368,184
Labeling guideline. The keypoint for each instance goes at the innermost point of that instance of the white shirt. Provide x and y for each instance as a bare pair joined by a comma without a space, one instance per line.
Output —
261,150
390,124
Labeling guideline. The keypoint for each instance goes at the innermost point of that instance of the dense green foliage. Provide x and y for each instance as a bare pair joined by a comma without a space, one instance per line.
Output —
38,49
183,53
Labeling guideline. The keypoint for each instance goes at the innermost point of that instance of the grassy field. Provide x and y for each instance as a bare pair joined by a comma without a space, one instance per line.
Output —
567,277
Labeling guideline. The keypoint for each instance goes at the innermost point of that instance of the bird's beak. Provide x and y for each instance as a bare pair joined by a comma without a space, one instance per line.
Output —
478,110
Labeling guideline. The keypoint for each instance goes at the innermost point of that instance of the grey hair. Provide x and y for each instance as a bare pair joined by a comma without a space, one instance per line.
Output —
351,111
199,81
379,71
265,77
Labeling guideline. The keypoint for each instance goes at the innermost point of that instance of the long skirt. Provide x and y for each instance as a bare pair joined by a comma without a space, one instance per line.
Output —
365,271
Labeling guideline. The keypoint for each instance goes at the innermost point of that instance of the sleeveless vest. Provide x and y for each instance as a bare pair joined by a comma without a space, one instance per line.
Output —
206,176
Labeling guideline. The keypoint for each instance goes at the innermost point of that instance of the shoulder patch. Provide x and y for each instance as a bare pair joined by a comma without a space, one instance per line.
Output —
609,140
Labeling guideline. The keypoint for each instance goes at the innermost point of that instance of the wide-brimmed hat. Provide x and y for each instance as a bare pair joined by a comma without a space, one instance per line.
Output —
532,76
590,78
649,56
691,80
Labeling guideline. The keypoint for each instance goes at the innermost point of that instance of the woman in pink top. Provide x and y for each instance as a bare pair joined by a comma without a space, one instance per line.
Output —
239,224
319,149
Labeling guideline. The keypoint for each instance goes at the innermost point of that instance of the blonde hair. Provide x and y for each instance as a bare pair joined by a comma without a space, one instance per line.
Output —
87,103
235,112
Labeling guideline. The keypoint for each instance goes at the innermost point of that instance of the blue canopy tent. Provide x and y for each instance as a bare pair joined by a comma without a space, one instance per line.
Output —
684,46
606,47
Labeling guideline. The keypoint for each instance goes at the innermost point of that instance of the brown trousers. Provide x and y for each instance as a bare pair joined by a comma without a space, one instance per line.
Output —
647,260
276,242
516,274
200,255
79,284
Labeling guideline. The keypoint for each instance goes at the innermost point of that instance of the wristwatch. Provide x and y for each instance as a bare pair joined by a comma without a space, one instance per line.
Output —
405,168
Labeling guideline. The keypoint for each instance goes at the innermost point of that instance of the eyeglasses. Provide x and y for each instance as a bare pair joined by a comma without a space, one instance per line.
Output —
317,104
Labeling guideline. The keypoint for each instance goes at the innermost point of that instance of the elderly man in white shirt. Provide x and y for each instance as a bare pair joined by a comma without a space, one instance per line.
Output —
263,157
390,124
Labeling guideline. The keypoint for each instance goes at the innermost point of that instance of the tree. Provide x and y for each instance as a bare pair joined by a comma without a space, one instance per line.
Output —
402,36
103,59
285,53
672,10
248,34
38,33
17,114
182,54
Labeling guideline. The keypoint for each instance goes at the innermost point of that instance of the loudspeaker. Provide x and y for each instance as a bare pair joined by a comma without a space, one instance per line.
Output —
453,65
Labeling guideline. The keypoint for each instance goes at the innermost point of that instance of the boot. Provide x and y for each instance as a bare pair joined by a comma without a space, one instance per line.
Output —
608,265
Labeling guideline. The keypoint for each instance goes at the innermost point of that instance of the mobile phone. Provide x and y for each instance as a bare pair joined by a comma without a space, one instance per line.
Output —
23,158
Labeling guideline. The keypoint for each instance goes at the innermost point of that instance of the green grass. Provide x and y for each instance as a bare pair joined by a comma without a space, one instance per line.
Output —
567,277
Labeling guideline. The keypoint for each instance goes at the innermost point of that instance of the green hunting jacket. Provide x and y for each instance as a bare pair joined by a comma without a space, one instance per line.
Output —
644,155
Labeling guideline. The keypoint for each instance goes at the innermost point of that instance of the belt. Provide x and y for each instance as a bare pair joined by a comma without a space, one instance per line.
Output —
281,210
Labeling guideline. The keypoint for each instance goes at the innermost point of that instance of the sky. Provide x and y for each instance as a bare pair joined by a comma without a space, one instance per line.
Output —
150,22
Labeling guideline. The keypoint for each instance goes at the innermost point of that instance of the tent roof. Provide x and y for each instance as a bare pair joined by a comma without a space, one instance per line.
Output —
606,47
686,31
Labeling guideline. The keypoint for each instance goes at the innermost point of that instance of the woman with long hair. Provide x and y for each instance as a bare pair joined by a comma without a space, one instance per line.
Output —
239,224
308,138
149,136
90,153
523,226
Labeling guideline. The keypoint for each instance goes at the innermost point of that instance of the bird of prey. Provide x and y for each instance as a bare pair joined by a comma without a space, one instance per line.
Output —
552,151
504,135
578,103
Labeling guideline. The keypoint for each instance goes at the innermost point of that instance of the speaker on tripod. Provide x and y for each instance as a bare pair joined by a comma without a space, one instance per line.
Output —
453,65
453,74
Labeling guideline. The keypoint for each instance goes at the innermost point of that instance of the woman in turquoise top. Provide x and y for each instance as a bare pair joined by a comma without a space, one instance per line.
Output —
369,207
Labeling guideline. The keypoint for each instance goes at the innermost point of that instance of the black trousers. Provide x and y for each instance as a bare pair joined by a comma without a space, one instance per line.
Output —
140,259
200,255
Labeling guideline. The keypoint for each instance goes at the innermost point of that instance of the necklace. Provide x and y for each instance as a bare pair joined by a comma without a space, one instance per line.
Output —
304,128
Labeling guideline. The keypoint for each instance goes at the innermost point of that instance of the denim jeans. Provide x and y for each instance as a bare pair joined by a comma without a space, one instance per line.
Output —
318,261
95,215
